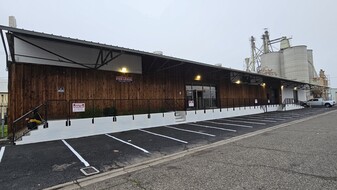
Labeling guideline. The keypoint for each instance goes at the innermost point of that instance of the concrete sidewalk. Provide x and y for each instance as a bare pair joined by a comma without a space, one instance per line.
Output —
298,156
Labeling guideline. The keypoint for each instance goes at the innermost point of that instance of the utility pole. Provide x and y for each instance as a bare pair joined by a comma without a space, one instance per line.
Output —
2,116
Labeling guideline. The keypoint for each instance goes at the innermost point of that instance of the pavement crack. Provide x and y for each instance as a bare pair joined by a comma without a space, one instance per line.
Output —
327,178
162,152
306,131
77,183
118,184
116,164
271,149
137,183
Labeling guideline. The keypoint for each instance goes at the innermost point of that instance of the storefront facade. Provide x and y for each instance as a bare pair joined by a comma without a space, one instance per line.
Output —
58,72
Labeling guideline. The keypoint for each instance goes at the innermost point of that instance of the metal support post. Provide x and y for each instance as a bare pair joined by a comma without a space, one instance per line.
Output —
2,124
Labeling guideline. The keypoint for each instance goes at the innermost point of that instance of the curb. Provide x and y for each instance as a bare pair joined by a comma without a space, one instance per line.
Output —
149,163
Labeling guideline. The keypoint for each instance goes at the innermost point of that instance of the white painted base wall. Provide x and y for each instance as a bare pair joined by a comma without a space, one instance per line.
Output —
288,93
290,107
84,127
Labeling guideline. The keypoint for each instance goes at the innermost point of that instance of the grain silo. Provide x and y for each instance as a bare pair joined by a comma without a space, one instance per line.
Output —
296,63
290,62
312,70
271,62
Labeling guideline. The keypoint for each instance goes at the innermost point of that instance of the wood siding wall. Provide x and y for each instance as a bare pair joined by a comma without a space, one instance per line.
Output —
31,85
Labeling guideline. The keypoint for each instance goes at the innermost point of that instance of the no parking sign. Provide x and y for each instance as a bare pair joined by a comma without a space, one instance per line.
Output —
78,107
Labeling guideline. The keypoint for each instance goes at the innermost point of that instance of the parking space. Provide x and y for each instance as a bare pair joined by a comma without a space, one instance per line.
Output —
217,123
183,134
38,165
41,165
104,153
151,142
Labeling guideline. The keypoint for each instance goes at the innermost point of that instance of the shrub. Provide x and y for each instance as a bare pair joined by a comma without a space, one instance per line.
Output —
91,112
109,111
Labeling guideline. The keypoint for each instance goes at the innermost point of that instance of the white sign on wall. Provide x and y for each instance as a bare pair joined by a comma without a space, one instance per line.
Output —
78,107
190,103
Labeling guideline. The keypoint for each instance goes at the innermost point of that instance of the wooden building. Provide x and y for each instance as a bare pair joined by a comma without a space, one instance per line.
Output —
57,72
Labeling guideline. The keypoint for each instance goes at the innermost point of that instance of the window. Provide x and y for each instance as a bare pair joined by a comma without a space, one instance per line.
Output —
200,97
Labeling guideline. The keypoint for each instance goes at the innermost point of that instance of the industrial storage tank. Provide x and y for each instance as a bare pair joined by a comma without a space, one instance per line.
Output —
310,56
312,70
296,63
271,63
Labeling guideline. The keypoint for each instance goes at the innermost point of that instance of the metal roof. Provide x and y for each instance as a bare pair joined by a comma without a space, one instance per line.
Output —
133,51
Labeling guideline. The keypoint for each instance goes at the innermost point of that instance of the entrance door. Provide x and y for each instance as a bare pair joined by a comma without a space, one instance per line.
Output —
295,96
198,98
273,96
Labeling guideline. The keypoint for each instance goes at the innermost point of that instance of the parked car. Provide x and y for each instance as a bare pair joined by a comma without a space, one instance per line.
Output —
318,102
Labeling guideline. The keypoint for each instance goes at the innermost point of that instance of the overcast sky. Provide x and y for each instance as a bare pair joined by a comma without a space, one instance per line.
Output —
213,31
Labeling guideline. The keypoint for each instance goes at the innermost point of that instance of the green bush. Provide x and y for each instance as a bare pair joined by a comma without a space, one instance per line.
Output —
92,112
109,111
5,131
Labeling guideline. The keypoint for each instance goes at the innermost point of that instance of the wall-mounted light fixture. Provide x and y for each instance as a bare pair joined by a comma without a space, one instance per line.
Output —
263,84
238,82
123,70
198,77
295,88
282,87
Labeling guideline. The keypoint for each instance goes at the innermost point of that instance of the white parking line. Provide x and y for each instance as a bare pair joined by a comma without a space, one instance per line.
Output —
120,140
2,151
282,117
278,118
232,124
263,120
160,135
285,115
223,129
275,116
238,121
267,118
290,116
293,114
76,154
201,133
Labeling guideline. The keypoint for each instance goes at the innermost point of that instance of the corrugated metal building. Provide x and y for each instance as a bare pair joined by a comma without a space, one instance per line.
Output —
69,78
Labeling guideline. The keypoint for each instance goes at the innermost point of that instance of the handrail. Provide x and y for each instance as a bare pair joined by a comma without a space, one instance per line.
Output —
29,112
19,119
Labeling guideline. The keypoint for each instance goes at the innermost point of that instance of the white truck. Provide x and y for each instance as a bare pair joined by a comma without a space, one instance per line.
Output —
318,102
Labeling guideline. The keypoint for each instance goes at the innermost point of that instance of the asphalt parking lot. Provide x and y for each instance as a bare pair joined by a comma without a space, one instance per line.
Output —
41,165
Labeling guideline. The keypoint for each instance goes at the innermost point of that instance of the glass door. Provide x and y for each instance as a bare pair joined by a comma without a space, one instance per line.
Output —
200,97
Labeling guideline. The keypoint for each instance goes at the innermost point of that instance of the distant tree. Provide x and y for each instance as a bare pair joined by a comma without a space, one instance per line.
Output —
317,92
